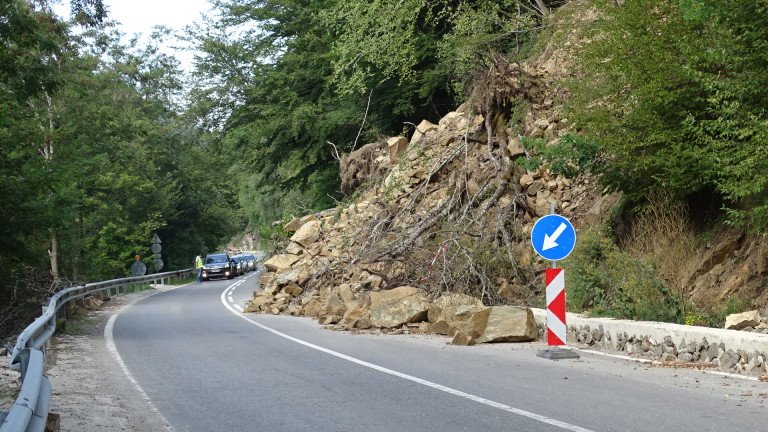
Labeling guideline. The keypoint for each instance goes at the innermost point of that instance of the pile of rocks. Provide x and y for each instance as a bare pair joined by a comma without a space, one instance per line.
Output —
320,274
399,309
751,321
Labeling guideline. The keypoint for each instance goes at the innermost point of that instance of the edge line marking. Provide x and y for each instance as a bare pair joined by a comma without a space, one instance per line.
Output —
112,348
657,363
488,402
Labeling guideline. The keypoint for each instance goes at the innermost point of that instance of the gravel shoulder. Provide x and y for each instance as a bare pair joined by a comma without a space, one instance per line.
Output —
9,383
90,390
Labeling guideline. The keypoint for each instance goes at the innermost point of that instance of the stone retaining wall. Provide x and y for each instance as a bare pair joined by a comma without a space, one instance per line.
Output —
730,350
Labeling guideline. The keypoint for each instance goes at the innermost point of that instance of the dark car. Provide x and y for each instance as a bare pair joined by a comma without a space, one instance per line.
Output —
218,265
241,264
251,262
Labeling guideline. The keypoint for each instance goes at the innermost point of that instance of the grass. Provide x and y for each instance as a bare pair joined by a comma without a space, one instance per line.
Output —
183,280
662,235
79,325
607,281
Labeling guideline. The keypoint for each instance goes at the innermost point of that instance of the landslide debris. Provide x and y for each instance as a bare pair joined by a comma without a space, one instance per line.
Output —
435,234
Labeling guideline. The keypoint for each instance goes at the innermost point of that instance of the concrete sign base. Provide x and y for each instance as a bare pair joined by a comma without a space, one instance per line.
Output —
557,354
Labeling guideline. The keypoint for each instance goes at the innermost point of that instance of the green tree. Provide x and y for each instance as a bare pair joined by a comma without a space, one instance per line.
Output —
286,83
675,95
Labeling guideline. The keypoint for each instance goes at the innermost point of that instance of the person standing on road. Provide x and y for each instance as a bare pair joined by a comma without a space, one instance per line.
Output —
199,268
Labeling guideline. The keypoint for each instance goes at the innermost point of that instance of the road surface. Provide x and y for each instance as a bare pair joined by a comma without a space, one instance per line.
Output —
204,366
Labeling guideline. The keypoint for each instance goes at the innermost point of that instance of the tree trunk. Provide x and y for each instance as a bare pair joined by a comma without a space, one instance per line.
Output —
54,255
77,242
48,155
76,267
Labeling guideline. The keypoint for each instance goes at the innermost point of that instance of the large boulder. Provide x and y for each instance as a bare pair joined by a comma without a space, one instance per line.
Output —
294,248
460,338
469,320
293,225
280,262
742,320
444,307
266,279
287,277
312,307
334,305
259,302
293,290
422,129
356,318
347,295
398,306
308,233
396,146
509,324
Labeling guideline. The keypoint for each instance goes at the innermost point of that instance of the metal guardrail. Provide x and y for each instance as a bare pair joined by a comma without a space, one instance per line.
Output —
30,411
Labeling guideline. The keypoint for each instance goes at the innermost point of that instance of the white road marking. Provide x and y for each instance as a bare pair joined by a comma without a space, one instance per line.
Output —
503,407
238,307
116,355
656,363
616,356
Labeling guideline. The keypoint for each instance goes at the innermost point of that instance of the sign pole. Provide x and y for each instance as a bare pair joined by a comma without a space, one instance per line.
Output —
553,237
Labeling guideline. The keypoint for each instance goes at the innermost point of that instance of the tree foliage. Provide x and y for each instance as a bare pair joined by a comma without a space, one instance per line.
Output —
676,95
286,83
95,158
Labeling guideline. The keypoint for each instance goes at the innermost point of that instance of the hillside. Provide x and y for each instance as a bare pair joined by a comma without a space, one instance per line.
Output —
450,209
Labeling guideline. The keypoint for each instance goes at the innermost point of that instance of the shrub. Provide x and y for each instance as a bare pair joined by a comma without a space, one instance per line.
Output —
714,316
569,156
605,281
662,235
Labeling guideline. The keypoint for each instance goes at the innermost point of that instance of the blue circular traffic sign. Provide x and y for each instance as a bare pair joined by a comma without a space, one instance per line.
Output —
553,237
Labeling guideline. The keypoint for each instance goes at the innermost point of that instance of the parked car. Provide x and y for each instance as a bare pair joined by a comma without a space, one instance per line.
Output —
218,265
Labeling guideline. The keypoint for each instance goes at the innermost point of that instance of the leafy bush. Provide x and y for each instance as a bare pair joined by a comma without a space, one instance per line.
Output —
715,316
570,156
603,280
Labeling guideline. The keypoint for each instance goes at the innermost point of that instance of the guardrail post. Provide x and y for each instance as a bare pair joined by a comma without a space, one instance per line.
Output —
24,363
47,343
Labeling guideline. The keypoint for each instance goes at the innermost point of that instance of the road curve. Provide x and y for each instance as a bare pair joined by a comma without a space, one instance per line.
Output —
207,367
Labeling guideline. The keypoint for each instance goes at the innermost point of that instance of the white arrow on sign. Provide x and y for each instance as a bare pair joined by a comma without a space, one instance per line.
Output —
550,242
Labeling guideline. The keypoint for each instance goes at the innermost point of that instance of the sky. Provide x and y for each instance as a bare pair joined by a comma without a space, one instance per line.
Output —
139,16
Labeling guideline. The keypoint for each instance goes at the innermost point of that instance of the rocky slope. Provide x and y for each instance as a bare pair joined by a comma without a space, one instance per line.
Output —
435,236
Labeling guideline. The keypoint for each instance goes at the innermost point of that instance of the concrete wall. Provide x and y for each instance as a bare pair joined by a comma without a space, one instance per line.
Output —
730,350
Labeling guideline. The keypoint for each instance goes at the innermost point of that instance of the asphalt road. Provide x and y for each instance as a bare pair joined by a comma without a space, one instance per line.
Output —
207,367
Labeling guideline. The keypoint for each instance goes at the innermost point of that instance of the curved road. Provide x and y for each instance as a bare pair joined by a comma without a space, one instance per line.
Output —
207,367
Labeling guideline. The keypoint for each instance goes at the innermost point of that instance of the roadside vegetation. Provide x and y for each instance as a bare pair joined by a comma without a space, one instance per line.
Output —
97,155
675,97
105,143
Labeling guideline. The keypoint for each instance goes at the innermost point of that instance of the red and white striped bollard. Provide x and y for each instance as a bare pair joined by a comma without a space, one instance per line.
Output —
556,327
